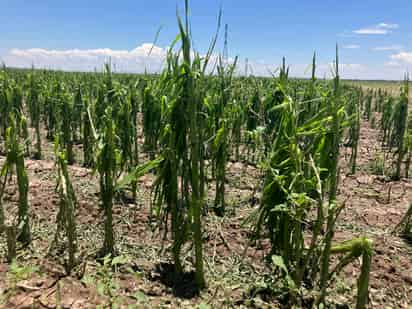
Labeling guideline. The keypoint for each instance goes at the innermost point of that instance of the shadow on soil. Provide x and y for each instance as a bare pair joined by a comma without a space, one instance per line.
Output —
183,285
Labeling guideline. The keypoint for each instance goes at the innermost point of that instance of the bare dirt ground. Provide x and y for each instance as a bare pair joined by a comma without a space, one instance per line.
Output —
374,206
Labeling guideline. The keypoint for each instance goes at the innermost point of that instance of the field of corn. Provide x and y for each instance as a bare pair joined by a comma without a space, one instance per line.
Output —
200,188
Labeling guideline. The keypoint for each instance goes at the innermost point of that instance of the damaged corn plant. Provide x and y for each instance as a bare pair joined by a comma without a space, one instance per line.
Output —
66,215
16,229
178,197
298,209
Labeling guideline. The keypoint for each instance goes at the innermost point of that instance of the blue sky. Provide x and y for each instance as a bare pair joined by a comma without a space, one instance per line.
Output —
374,36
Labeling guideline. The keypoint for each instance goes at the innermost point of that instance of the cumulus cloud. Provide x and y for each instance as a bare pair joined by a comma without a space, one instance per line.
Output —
379,29
403,57
385,71
323,70
147,57
144,57
351,46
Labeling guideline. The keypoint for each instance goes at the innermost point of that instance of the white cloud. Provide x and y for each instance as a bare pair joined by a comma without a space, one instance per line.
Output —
152,58
323,70
403,57
388,26
384,71
351,46
379,29
144,57
353,66
371,31
392,64
387,48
